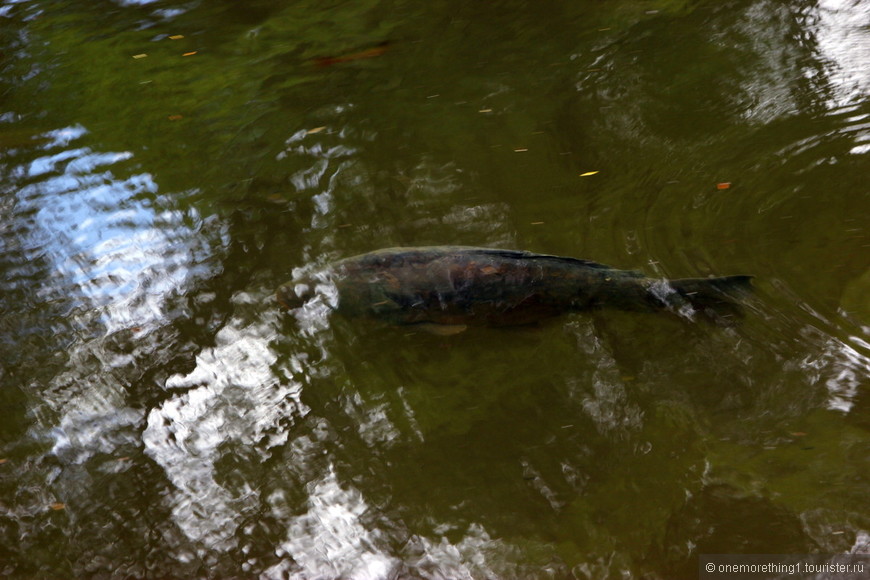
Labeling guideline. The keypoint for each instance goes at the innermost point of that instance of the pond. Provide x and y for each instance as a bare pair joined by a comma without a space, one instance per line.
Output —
167,164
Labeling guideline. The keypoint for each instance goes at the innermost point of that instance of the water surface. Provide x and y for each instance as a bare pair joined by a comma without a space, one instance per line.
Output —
165,165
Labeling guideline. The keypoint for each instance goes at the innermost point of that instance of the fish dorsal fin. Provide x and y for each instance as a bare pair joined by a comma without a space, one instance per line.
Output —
522,255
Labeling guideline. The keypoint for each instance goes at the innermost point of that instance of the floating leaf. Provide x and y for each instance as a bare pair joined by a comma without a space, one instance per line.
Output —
57,506
175,117
191,53
372,52
176,37
314,130
143,55
588,173
521,150
723,185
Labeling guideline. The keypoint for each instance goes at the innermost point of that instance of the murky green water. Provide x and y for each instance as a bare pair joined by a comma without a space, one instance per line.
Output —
165,165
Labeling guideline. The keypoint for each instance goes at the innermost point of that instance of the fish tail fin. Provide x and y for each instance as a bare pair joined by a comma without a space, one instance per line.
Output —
717,298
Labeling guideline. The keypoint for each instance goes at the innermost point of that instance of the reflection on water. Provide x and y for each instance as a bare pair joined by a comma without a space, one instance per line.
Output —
114,256
231,399
840,29
846,371
163,418
95,260
103,238
328,541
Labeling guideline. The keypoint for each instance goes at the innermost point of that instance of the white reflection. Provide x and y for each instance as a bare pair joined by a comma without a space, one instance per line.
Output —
114,257
843,37
841,33
321,174
476,555
233,398
81,436
862,543
313,316
121,255
329,540
770,92
846,370
608,404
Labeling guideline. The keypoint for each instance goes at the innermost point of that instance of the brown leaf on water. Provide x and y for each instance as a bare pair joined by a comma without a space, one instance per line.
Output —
175,117
57,506
723,185
371,52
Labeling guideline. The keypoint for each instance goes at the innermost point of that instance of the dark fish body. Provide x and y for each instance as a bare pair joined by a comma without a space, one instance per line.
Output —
456,286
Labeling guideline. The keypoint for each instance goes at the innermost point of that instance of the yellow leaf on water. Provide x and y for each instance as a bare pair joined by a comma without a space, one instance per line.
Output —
191,53
314,130
588,173
176,37
143,55
56,506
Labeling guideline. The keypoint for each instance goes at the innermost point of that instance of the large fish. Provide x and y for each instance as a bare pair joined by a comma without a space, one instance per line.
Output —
448,288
